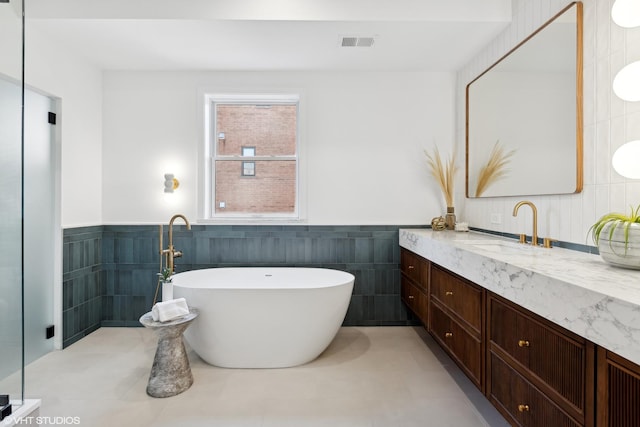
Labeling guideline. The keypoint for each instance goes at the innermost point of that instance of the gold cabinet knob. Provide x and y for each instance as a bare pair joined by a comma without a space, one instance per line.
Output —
411,296
411,267
448,335
448,293
523,408
523,343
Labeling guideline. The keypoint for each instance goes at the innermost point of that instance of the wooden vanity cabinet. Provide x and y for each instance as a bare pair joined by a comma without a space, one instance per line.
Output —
456,320
538,374
414,282
533,371
618,391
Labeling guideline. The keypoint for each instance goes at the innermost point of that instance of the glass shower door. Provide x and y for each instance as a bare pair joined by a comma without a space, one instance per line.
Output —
11,300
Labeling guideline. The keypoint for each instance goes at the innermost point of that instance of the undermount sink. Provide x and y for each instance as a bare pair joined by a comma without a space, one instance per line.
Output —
501,246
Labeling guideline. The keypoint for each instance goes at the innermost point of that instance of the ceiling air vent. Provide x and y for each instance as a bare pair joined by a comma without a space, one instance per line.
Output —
357,42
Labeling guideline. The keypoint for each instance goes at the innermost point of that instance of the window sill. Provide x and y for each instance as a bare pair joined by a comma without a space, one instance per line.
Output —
252,221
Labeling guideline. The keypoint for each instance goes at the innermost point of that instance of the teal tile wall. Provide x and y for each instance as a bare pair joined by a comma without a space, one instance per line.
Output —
130,262
82,283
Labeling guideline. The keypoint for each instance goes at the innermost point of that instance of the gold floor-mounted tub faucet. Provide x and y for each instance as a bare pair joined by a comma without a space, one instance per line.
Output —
534,236
171,253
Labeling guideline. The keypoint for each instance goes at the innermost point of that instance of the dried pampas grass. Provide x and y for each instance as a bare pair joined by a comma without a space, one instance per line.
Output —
443,173
494,169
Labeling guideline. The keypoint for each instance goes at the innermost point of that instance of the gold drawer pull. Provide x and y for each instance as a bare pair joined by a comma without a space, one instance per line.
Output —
448,293
523,408
411,267
523,343
448,335
411,297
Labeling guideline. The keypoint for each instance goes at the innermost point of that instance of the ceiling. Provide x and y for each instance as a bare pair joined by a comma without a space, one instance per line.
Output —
410,35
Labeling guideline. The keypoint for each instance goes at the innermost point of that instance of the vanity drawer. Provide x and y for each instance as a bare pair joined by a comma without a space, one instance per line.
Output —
618,390
460,296
554,358
414,298
462,346
520,401
415,267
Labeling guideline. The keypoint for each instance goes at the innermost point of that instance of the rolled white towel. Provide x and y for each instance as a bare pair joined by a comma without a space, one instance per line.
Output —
169,310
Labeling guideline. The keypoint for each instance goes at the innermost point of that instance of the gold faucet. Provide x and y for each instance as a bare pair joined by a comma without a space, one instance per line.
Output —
171,253
534,236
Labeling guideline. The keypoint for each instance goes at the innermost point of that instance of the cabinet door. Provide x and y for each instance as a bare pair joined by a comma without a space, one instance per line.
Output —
520,401
460,296
556,358
463,347
618,391
415,268
414,298
504,331
556,361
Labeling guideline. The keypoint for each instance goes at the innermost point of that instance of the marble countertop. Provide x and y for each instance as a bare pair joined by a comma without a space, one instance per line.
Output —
575,290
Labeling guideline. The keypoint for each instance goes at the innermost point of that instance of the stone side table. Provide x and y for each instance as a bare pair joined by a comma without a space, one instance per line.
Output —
170,373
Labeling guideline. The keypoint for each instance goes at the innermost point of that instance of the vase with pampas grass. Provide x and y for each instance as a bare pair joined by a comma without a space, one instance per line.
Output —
494,169
444,173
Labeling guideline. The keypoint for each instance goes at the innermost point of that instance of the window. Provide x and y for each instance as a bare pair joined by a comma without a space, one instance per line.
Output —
264,129
248,168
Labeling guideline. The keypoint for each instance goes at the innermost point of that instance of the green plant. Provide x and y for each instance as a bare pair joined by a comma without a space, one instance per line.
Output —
165,275
615,220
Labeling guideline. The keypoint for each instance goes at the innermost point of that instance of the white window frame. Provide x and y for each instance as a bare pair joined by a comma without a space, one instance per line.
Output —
209,156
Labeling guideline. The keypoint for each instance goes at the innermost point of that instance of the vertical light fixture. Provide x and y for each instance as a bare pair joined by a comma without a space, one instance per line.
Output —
171,183
626,13
626,85
626,160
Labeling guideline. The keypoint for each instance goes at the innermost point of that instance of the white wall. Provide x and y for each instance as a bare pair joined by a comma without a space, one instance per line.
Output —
11,46
608,123
378,178
363,135
77,85
56,72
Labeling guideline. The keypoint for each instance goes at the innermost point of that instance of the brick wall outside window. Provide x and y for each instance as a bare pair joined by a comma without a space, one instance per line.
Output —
272,190
272,131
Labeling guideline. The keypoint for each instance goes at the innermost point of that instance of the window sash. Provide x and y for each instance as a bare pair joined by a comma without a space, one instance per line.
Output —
214,156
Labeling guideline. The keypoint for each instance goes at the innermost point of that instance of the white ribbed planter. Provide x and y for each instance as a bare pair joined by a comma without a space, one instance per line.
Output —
613,250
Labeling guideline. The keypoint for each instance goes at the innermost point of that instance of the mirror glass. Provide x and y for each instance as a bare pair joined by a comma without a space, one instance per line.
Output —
524,116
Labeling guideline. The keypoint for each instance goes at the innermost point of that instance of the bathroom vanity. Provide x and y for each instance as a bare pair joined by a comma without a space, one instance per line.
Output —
550,336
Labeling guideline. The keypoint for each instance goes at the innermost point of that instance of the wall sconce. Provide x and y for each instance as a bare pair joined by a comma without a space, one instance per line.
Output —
625,160
626,13
170,183
625,84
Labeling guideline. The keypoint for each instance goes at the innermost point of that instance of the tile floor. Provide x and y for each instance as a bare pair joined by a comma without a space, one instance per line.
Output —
369,376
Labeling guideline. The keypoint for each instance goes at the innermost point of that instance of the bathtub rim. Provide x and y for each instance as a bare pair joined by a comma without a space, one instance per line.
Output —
292,275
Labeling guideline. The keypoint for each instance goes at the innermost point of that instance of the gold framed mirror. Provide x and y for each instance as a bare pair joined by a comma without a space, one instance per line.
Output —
524,115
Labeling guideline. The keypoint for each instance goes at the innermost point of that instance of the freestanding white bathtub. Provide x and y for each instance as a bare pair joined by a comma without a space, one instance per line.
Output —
254,317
